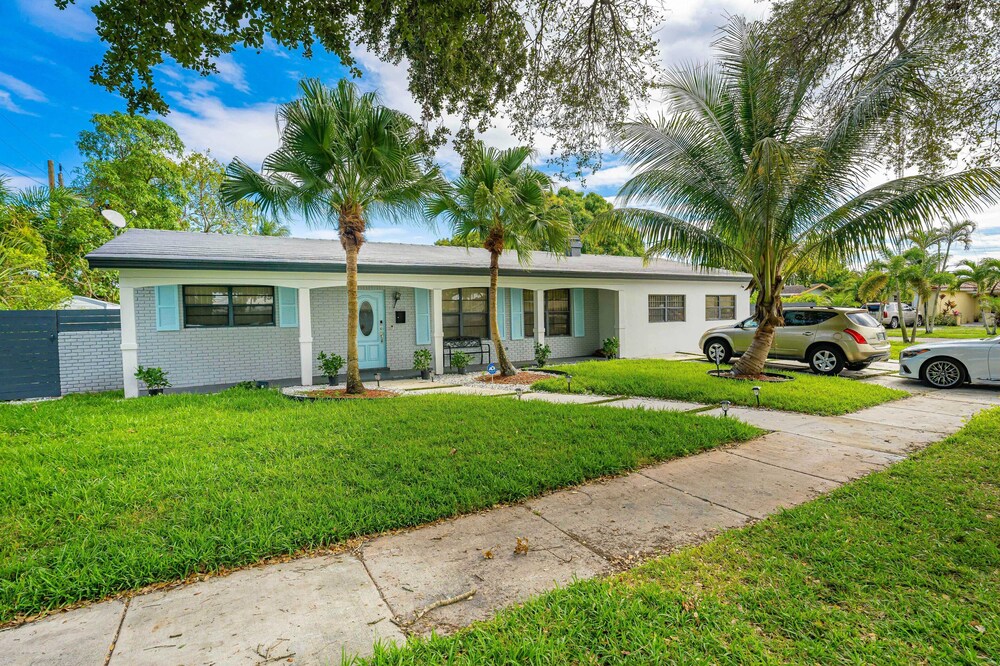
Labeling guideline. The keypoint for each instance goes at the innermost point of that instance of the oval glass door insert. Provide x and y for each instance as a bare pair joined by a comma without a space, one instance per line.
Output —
366,318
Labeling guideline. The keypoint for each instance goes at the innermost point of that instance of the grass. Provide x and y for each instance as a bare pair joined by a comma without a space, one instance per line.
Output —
944,332
100,495
901,567
689,380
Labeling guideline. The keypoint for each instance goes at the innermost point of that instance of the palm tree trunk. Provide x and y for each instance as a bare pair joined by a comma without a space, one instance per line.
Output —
351,237
753,359
899,315
507,368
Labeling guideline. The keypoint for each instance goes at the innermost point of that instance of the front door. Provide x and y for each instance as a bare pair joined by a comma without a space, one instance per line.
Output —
371,329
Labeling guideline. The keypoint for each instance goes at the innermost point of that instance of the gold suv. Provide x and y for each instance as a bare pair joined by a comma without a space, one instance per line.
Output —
828,339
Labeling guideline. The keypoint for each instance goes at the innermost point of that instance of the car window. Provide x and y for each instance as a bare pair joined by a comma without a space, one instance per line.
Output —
807,317
748,323
862,319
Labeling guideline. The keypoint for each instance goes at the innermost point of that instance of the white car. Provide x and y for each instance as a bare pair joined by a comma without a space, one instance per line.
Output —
953,363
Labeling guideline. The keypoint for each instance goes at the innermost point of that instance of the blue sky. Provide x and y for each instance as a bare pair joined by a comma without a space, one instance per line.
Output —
46,97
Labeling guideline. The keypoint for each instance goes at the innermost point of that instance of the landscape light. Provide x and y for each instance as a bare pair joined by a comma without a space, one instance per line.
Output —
569,383
725,407
519,392
756,394
378,380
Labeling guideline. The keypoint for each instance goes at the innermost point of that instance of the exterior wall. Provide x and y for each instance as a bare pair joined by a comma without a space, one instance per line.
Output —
562,346
641,339
210,356
90,361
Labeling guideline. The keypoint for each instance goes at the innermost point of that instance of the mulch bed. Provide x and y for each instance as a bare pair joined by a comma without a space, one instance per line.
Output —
519,378
341,394
765,377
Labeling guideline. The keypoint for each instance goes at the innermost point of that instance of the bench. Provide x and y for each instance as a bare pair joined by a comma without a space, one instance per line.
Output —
471,346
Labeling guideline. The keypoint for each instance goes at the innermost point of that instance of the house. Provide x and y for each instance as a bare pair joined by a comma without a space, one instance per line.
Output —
213,310
87,303
817,289
964,299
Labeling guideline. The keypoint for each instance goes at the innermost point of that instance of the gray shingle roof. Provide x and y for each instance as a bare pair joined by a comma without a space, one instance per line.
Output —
148,248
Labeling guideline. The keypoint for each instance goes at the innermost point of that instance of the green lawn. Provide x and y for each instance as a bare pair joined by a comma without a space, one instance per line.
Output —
901,567
100,494
689,380
946,332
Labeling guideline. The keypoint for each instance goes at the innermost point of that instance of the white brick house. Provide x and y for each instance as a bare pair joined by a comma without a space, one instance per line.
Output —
213,310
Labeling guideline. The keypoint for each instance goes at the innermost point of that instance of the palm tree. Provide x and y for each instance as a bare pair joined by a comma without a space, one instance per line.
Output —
985,275
747,175
343,157
893,277
952,232
500,202
271,227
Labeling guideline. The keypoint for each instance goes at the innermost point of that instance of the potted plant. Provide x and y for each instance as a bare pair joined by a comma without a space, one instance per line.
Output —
155,379
610,347
331,365
542,353
459,360
422,362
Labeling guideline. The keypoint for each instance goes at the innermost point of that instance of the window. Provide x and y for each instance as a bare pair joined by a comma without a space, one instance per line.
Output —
862,319
557,312
206,307
720,307
807,317
666,307
528,311
465,313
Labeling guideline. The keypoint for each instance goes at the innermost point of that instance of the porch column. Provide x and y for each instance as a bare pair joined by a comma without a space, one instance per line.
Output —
305,337
437,329
620,318
540,316
129,346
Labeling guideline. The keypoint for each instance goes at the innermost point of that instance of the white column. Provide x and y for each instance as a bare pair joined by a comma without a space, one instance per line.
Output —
437,329
540,316
129,346
620,315
305,337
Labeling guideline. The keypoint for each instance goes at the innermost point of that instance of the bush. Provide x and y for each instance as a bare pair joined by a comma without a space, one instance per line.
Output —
422,359
542,353
153,378
460,359
610,347
945,319
330,363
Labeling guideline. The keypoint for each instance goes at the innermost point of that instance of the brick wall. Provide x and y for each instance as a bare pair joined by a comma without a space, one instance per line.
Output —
90,361
563,346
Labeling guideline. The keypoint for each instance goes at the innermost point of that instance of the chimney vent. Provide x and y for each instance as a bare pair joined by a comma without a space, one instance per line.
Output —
575,248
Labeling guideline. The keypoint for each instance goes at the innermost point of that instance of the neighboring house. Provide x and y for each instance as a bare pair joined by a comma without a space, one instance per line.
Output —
817,289
213,310
87,303
966,299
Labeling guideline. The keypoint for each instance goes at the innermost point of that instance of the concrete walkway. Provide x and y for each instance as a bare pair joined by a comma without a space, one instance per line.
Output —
317,609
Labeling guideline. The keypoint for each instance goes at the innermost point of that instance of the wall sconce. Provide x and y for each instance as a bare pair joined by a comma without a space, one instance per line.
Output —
395,298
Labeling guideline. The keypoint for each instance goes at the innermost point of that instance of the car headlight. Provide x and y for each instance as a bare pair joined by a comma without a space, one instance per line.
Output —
910,353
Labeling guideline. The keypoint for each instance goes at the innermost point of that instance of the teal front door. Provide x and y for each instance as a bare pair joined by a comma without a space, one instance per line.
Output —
371,329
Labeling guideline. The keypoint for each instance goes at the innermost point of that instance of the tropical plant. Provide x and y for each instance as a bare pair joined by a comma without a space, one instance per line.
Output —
499,201
422,360
893,277
330,364
343,157
155,379
542,353
747,174
459,360
610,347
985,275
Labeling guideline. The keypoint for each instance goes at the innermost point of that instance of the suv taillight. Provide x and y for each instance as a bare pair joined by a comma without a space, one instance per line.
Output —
860,339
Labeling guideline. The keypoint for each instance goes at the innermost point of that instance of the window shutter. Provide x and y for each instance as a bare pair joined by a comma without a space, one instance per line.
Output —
168,316
502,312
288,307
516,314
578,313
423,315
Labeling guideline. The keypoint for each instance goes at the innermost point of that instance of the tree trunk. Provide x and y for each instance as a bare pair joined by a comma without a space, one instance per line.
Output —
507,368
769,317
900,317
913,331
352,227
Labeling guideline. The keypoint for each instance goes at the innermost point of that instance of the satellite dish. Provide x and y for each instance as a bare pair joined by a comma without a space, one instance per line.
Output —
114,217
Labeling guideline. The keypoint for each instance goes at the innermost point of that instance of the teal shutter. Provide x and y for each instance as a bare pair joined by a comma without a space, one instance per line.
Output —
578,313
288,307
502,312
516,314
168,315
423,315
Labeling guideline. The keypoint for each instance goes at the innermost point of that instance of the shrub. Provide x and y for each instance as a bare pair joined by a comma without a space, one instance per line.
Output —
330,363
422,359
153,378
460,359
610,347
542,353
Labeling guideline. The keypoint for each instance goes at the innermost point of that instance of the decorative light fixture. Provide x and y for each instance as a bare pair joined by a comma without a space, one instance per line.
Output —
756,394
378,380
725,407
520,391
395,298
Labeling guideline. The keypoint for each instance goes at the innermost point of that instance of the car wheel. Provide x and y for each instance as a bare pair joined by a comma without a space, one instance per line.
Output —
826,360
718,351
894,322
942,373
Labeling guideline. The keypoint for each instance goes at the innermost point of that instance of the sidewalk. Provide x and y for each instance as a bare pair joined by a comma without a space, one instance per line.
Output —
317,609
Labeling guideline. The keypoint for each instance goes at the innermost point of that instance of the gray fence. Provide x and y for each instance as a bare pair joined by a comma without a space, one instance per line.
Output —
46,353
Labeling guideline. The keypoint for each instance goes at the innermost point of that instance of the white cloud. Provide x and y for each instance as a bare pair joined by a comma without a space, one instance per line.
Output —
8,103
15,182
76,22
204,122
21,89
231,72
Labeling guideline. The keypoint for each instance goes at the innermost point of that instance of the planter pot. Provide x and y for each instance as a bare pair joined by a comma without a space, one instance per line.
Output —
425,374
333,379
155,391
461,371
262,385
